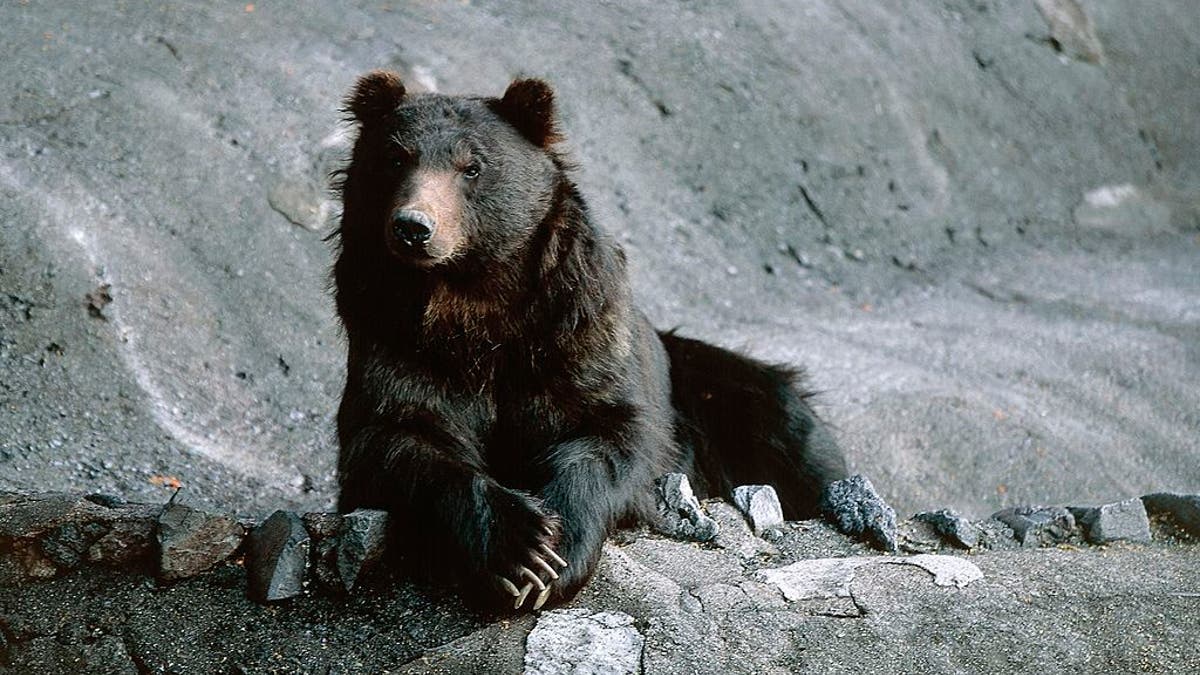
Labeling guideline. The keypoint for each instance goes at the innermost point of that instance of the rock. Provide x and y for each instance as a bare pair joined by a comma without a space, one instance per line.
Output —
857,509
947,570
952,527
679,513
361,544
277,558
813,579
1071,29
760,504
67,545
827,578
1035,526
1183,509
130,543
323,529
995,536
582,641
191,542
298,201
51,533
1122,521
734,533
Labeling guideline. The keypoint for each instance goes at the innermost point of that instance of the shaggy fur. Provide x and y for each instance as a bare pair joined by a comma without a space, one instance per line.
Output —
502,392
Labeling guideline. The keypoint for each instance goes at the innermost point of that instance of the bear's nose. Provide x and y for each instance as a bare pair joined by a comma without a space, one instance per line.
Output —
412,227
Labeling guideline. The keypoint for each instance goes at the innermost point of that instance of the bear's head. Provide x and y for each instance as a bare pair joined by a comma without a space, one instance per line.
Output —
438,181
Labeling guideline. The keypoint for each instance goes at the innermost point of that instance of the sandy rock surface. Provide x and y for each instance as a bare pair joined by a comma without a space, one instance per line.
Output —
976,223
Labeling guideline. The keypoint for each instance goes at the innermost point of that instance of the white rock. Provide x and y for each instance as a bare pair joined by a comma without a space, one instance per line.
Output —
579,641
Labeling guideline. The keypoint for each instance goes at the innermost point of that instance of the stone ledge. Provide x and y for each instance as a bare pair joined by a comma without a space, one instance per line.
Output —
85,585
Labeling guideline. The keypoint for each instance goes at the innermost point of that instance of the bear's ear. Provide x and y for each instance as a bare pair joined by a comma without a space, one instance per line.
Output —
528,105
376,95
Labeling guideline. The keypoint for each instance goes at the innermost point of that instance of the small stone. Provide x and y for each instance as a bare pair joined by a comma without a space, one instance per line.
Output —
323,529
361,544
952,527
996,536
1122,521
277,558
679,512
191,541
761,505
734,533
582,641
853,505
66,545
1035,526
1183,509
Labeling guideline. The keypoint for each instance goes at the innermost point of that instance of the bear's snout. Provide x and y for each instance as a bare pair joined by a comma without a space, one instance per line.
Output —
413,227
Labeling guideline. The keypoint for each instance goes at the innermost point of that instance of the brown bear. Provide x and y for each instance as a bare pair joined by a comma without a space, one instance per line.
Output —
504,399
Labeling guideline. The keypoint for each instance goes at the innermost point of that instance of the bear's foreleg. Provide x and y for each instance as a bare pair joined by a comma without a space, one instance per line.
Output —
455,523
596,481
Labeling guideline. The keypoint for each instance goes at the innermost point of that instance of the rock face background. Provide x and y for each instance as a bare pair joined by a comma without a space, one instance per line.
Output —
976,222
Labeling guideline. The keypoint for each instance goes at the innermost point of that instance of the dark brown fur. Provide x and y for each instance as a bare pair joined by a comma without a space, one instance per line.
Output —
502,391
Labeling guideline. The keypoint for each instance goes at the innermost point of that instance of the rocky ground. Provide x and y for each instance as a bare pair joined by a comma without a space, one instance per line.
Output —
100,585
977,222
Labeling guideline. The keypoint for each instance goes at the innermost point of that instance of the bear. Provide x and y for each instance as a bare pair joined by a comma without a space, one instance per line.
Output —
505,401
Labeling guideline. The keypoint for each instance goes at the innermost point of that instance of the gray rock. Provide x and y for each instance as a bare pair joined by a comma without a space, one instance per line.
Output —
734,532
582,641
1035,526
1183,509
1121,521
361,544
277,558
129,544
826,578
323,530
679,512
191,541
760,504
857,509
298,201
952,527
67,545
51,533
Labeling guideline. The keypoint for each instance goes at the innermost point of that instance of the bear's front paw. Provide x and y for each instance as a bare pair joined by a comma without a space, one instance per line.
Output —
520,542
857,510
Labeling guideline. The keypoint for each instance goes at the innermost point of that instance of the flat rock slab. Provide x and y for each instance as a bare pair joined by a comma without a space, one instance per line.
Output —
192,541
569,641
830,577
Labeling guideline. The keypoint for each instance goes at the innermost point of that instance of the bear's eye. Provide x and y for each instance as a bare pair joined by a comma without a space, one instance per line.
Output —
471,171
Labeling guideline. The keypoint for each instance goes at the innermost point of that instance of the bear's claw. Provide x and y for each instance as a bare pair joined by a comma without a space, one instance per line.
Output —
533,579
553,556
508,586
